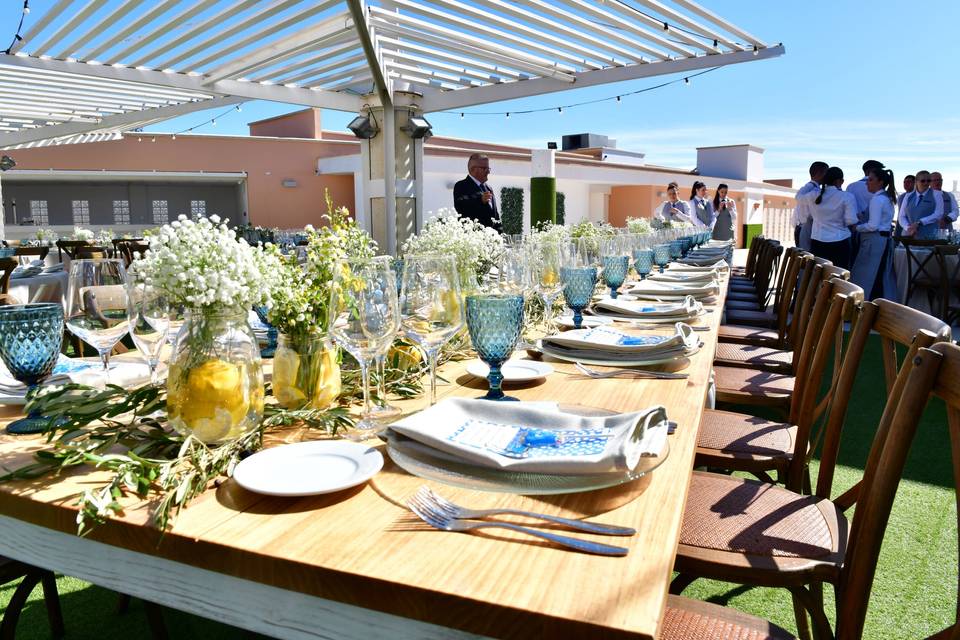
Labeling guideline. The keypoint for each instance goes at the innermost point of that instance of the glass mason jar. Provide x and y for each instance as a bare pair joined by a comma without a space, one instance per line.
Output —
215,383
306,373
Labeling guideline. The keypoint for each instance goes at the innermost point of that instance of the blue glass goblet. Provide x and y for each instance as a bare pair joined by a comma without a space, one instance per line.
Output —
676,249
643,262
271,348
686,242
661,255
397,265
615,272
494,322
578,286
30,340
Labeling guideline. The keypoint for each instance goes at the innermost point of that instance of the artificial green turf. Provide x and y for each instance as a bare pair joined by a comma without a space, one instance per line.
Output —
914,594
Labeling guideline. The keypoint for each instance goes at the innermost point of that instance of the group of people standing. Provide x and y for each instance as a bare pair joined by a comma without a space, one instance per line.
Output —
718,213
852,228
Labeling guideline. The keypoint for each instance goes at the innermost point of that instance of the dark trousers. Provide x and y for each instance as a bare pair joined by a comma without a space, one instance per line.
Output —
796,235
836,252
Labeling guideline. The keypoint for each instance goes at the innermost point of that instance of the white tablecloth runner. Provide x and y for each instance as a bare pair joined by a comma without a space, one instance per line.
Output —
46,287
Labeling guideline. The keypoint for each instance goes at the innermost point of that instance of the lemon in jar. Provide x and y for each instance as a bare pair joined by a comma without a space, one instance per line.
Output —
209,401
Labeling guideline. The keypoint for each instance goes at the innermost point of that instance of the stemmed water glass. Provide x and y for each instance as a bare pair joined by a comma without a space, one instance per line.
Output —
364,317
547,260
495,321
514,273
615,263
97,306
430,306
149,317
579,279
30,340
661,255
383,409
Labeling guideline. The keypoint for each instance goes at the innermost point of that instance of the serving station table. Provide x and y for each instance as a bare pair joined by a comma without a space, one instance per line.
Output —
356,564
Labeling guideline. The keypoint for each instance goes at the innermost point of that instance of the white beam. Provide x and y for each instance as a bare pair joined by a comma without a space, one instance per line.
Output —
368,41
328,59
613,20
508,91
68,26
464,72
172,23
247,90
630,12
100,28
333,65
38,26
120,121
695,8
494,72
340,75
158,9
681,19
283,49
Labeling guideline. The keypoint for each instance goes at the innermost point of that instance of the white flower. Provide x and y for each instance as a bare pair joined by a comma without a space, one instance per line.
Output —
475,247
640,226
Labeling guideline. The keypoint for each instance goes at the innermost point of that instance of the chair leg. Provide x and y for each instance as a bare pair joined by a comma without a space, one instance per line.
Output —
123,603
158,630
8,628
52,600
800,613
681,582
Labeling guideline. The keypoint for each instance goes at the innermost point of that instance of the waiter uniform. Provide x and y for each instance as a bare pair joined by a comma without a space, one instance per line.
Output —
802,219
873,267
468,201
703,215
925,210
725,219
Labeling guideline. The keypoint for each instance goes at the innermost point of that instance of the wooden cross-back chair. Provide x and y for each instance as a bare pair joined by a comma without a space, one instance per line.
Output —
757,295
7,265
129,249
948,259
70,248
747,270
766,318
935,372
742,442
921,268
759,534
41,253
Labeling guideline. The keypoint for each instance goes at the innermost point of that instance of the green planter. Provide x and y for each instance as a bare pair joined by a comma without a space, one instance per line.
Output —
511,210
750,231
543,201
561,207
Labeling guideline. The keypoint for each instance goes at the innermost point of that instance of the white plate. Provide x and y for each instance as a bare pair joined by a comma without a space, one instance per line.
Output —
513,370
308,468
614,317
617,362
588,321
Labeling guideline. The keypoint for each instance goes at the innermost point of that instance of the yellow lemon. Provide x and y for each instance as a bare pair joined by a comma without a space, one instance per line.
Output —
407,356
328,382
286,364
286,389
211,402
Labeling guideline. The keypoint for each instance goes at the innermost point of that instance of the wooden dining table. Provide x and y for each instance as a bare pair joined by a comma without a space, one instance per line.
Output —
357,564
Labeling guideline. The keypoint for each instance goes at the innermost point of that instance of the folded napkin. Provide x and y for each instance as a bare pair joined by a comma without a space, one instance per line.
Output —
661,289
605,341
684,277
705,261
716,267
26,272
124,374
54,268
513,436
686,308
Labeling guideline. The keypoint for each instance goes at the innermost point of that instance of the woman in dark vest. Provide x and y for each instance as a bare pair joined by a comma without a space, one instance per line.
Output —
833,212
725,215
873,266
701,209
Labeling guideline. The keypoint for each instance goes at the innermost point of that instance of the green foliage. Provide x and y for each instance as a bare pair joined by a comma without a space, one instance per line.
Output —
561,207
543,200
511,210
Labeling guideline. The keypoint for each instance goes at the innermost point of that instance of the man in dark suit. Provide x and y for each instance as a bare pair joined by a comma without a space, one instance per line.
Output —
473,197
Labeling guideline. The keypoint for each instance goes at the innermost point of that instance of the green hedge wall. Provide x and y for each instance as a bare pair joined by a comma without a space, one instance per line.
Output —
511,210
561,207
543,201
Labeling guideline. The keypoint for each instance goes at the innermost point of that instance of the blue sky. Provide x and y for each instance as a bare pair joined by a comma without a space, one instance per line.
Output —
851,86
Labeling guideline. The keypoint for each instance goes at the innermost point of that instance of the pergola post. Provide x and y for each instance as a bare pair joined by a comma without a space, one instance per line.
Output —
392,162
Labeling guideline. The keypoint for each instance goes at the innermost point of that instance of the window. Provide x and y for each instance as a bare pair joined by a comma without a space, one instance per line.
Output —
198,208
38,211
81,211
160,215
121,211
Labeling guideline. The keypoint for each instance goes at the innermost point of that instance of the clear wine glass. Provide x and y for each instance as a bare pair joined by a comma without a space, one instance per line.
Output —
97,305
547,262
149,317
384,410
431,306
364,317
514,271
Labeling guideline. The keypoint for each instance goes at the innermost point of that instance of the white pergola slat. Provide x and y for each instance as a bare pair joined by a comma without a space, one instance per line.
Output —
98,66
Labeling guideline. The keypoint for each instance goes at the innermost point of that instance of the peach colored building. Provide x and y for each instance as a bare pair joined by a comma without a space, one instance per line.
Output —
277,177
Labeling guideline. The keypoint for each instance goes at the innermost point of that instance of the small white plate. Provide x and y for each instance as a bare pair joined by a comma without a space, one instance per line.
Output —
308,468
513,370
618,362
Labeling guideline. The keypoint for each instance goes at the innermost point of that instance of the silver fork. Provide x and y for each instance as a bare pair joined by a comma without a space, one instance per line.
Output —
439,520
639,373
428,496
633,324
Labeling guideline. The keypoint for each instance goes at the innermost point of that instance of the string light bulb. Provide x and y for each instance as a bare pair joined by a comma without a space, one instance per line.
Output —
508,114
618,99
461,116
238,108
666,27
686,81
559,109
213,121
173,137
26,6
756,50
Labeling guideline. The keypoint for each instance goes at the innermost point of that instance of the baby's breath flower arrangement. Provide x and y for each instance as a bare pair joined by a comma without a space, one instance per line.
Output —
475,247
305,368
79,233
44,238
639,226
215,382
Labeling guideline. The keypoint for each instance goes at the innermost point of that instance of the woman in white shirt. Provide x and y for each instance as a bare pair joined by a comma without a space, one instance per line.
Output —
833,212
674,209
873,267
701,209
724,215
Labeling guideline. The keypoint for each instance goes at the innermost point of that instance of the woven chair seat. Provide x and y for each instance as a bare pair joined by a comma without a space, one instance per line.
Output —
747,296
747,335
742,285
740,434
742,305
753,318
687,619
753,356
725,513
753,386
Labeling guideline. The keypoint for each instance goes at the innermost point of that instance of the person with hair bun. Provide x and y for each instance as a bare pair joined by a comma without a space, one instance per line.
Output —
873,267
675,209
833,212
701,209
724,214
802,220
922,210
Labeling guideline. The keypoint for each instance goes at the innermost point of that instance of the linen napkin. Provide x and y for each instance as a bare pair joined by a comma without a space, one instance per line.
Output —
681,310
513,436
684,277
124,374
716,267
608,343
647,288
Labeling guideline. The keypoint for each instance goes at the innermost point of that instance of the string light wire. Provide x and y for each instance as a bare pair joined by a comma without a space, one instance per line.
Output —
17,37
